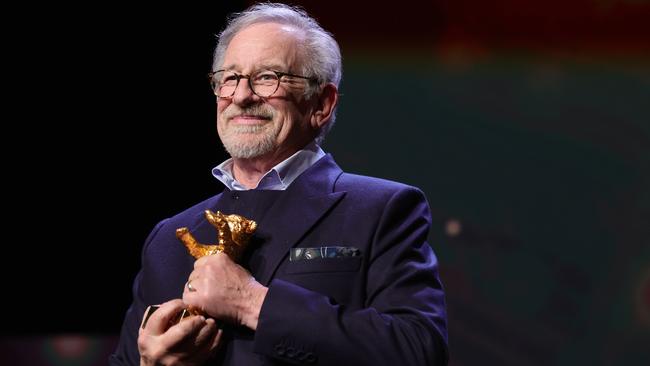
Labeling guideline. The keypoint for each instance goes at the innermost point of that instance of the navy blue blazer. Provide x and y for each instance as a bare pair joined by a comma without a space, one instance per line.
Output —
383,307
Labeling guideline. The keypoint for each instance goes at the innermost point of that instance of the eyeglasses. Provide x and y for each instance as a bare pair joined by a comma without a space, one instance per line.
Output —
263,83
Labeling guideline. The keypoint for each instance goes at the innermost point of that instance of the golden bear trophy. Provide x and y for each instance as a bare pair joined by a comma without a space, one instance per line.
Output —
233,236
234,233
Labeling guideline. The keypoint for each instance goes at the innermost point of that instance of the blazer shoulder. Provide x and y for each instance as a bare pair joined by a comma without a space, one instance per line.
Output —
352,182
365,190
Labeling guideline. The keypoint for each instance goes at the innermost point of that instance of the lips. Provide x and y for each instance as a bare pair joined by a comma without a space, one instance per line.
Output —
249,119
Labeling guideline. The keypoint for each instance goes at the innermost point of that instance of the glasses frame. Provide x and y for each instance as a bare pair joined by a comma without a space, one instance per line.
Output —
279,74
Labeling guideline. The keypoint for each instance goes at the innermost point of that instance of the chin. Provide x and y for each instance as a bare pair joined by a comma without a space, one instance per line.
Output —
248,143
243,150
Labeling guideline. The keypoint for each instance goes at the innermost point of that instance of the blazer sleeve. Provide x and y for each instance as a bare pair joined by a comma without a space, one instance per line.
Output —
403,321
126,353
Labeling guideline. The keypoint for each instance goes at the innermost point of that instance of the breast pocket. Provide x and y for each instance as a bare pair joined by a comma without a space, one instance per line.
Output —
322,265
338,278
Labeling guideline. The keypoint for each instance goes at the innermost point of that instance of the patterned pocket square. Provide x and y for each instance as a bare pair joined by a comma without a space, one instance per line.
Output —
298,254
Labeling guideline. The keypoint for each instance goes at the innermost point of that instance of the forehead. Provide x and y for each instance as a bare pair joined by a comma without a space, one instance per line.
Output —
264,44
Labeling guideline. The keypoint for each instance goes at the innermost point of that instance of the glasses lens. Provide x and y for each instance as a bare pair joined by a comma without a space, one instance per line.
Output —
265,83
224,83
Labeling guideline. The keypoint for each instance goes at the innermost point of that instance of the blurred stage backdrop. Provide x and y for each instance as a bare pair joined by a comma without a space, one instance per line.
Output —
527,124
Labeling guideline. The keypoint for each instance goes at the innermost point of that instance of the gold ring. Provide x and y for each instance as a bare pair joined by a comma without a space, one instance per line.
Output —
189,286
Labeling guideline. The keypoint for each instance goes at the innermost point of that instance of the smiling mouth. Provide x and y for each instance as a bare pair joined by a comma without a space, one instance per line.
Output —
249,119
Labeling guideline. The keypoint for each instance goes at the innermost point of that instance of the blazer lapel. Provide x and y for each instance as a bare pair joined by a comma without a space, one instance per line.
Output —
308,199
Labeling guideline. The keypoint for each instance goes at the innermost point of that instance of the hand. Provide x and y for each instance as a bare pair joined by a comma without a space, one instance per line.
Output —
224,290
190,342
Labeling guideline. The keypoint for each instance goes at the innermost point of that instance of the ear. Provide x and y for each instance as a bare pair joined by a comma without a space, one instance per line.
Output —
325,104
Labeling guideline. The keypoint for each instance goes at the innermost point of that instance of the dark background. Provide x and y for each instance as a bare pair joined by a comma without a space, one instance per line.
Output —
114,131
526,124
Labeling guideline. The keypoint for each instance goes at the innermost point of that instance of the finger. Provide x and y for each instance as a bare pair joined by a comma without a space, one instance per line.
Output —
189,297
221,256
195,287
197,299
147,313
186,330
179,334
189,287
194,274
215,258
201,261
207,333
159,321
216,341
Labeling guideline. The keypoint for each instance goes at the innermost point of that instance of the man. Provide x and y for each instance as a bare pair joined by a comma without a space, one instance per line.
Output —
340,272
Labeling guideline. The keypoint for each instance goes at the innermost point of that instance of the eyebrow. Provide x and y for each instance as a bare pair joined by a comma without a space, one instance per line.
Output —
275,67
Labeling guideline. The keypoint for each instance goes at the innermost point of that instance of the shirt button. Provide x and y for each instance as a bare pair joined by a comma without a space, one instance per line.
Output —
235,196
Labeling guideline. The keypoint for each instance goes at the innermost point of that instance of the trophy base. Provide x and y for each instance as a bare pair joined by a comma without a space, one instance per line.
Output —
152,308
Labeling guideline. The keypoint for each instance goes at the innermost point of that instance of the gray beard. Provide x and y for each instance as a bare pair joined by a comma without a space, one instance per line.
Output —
265,135
263,144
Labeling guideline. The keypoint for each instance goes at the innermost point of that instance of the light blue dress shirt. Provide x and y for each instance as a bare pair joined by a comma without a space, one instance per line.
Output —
280,176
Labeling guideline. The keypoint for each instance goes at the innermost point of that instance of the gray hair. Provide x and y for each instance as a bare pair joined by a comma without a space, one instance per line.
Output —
323,59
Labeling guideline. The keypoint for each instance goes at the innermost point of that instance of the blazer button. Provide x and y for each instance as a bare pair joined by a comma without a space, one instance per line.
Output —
300,355
310,357
279,350
291,352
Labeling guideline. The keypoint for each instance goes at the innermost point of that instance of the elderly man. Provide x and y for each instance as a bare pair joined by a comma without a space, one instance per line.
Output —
340,272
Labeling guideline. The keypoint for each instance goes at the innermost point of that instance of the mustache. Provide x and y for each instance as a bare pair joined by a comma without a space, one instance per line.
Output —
255,110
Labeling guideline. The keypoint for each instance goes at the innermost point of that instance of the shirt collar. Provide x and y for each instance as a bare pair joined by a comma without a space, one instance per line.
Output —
280,176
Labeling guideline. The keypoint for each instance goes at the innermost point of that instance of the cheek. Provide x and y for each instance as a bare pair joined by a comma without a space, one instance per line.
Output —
223,104
286,124
221,109
293,121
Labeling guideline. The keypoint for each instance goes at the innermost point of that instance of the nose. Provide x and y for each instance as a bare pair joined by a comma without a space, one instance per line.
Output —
243,93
